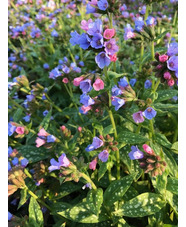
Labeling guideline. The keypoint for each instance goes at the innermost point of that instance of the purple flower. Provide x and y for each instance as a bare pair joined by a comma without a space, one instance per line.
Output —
123,82
15,161
142,10
10,150
54,33
95,27
84,41
138,117
24,162
51,139
11,129
65,69
86,100
30,97
139,23
147,84
125,14
88,185
149,113
172,49
74,38
102,4
95,144
97,41
102,59
150,21
135,153
9,216
9,166
172,63
90,9
132,82
85,85
62,161
111,47
54,73
116,91
128,34
117,102
103,156
27,118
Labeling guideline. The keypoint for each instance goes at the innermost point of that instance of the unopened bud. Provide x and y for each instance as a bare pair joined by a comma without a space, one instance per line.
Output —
80,129
150,160
158,165
158,158
143,165
63,128
101,137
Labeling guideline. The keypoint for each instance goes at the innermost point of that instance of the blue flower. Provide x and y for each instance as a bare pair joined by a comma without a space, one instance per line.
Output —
66,69
81,63
86,100
135,153
90,9
139,23
123,82
116,91
95,27
51,139
54,33
172,49
142,10
149,113
62,161
117,102
46,66
60,61
147,84
172,63
45,113
103,156
84,41
132,82
11,129
10,150
74,38
27,118
24,162
97,143
30,97
85,85
129,32
102,59
9,166
54,73
150,21
15,161
102,4
97,41
9,216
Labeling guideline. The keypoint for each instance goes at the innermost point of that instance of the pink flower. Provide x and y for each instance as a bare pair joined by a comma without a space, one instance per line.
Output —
138,117
84,110
148,149
113,57
98,85
39,142
92,164
20,130
79,129
65,80
163,58
167,75
109,33
77,81
63,160
84,24
171,82
63,127
42,132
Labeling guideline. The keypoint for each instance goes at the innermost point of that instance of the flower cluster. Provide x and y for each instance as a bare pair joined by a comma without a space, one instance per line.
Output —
125,92
166,65
148,113
149,161
98,40
44,137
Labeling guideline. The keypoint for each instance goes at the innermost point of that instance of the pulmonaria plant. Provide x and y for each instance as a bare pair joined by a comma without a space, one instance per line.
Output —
97,40
44,138
148,160
166,65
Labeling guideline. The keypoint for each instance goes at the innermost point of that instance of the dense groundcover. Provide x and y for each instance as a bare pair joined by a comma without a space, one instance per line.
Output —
93,113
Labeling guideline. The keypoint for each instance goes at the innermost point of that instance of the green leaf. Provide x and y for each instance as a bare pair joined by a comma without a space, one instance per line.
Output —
81,213
174,147
161,35
23,198
117,189
171,163
66,189
113,75
99,127
17,114
166,94
172,200
160,182
33,154
108,130
45,122
172,185
143,205
131,138
95,200
166,107
162,140
35,214
102,170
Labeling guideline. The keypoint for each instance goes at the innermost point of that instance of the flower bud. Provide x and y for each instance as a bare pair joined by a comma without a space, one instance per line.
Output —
167,75
150,160
163,58
171,82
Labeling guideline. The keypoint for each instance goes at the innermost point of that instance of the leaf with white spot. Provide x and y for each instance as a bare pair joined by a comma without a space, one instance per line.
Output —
95,200
166,94
142,205
160,182
131,138
35,214
45,123
102,170
23,198
117,189
172,200
172,185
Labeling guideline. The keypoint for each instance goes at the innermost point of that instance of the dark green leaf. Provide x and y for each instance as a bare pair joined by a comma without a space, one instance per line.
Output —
166,94
172,185
102,170
35,214
95,200
17,114
108,130
131,138
45,123
23,198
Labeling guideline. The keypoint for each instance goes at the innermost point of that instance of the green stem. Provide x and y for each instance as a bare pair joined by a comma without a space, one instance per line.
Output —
152,50
138,129
109,175
146,12
173,25
141,55
52,103
156,85
151,129
87,178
